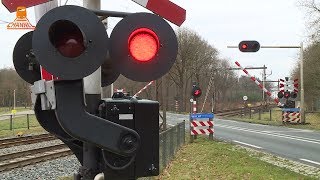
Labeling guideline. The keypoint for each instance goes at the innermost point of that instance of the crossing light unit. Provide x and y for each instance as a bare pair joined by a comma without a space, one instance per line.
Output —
288,88
196,91
70,43
249,46
144,46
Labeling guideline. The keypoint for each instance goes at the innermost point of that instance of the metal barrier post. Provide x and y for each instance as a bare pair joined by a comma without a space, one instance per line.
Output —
164,153
259,114
171,134
191,128
11,122
184,132
250,113
270,114
178,134
28,123
211,127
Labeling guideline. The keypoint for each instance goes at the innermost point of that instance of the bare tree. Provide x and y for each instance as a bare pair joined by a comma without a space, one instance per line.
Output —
313,10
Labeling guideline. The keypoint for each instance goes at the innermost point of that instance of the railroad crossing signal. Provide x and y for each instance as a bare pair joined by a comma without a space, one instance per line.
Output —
249,46
70,43
196,91
288,88
288,91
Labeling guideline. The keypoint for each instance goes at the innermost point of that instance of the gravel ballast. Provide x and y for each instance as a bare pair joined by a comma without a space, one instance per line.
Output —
49,170
26,147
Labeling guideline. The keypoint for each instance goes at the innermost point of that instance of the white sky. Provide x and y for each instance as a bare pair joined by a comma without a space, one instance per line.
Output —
221,23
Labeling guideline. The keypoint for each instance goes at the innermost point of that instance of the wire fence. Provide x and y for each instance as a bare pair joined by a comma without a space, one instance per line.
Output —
170,141
18,121
275,115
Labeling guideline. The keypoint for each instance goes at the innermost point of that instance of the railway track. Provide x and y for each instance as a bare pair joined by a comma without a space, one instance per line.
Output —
238,111
33,156
5,143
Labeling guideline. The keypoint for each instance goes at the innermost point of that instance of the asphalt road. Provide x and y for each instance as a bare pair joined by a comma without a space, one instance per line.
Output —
295,144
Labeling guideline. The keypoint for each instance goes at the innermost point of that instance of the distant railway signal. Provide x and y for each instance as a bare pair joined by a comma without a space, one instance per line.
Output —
249,46
196,91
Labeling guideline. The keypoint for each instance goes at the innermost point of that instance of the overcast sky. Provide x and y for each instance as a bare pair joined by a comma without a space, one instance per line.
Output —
221,23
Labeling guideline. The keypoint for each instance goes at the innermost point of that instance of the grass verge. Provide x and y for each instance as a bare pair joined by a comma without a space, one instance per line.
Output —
20,126
312,120
205,159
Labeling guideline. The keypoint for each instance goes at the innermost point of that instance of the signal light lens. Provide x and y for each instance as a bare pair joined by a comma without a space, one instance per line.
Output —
287,94
244,46
143,44
67,38
293,95
197,92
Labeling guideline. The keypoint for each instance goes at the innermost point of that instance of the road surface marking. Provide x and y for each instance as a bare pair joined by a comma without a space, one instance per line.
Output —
315,141
282,131
313,162
247,144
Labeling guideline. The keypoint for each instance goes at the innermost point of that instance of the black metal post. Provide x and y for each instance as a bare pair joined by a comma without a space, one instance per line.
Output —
11,122
28,123
90,166
259,114
270,114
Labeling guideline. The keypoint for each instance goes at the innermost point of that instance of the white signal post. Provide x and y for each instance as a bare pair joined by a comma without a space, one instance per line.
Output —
92,83
302,109
92,89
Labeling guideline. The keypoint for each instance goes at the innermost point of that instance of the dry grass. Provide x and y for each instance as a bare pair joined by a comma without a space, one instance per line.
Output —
216,160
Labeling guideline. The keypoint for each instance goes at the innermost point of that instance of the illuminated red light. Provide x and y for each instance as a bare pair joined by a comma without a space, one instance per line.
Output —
287,94
244,46
197,92
143,44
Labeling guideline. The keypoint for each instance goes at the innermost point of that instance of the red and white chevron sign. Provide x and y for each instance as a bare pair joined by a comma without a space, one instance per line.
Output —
291,117
165,9
201,123
202,131
201,127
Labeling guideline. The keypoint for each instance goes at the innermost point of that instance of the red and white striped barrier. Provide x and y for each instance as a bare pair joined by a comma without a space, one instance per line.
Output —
276,100
291,117
281,86
165,9
144,88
